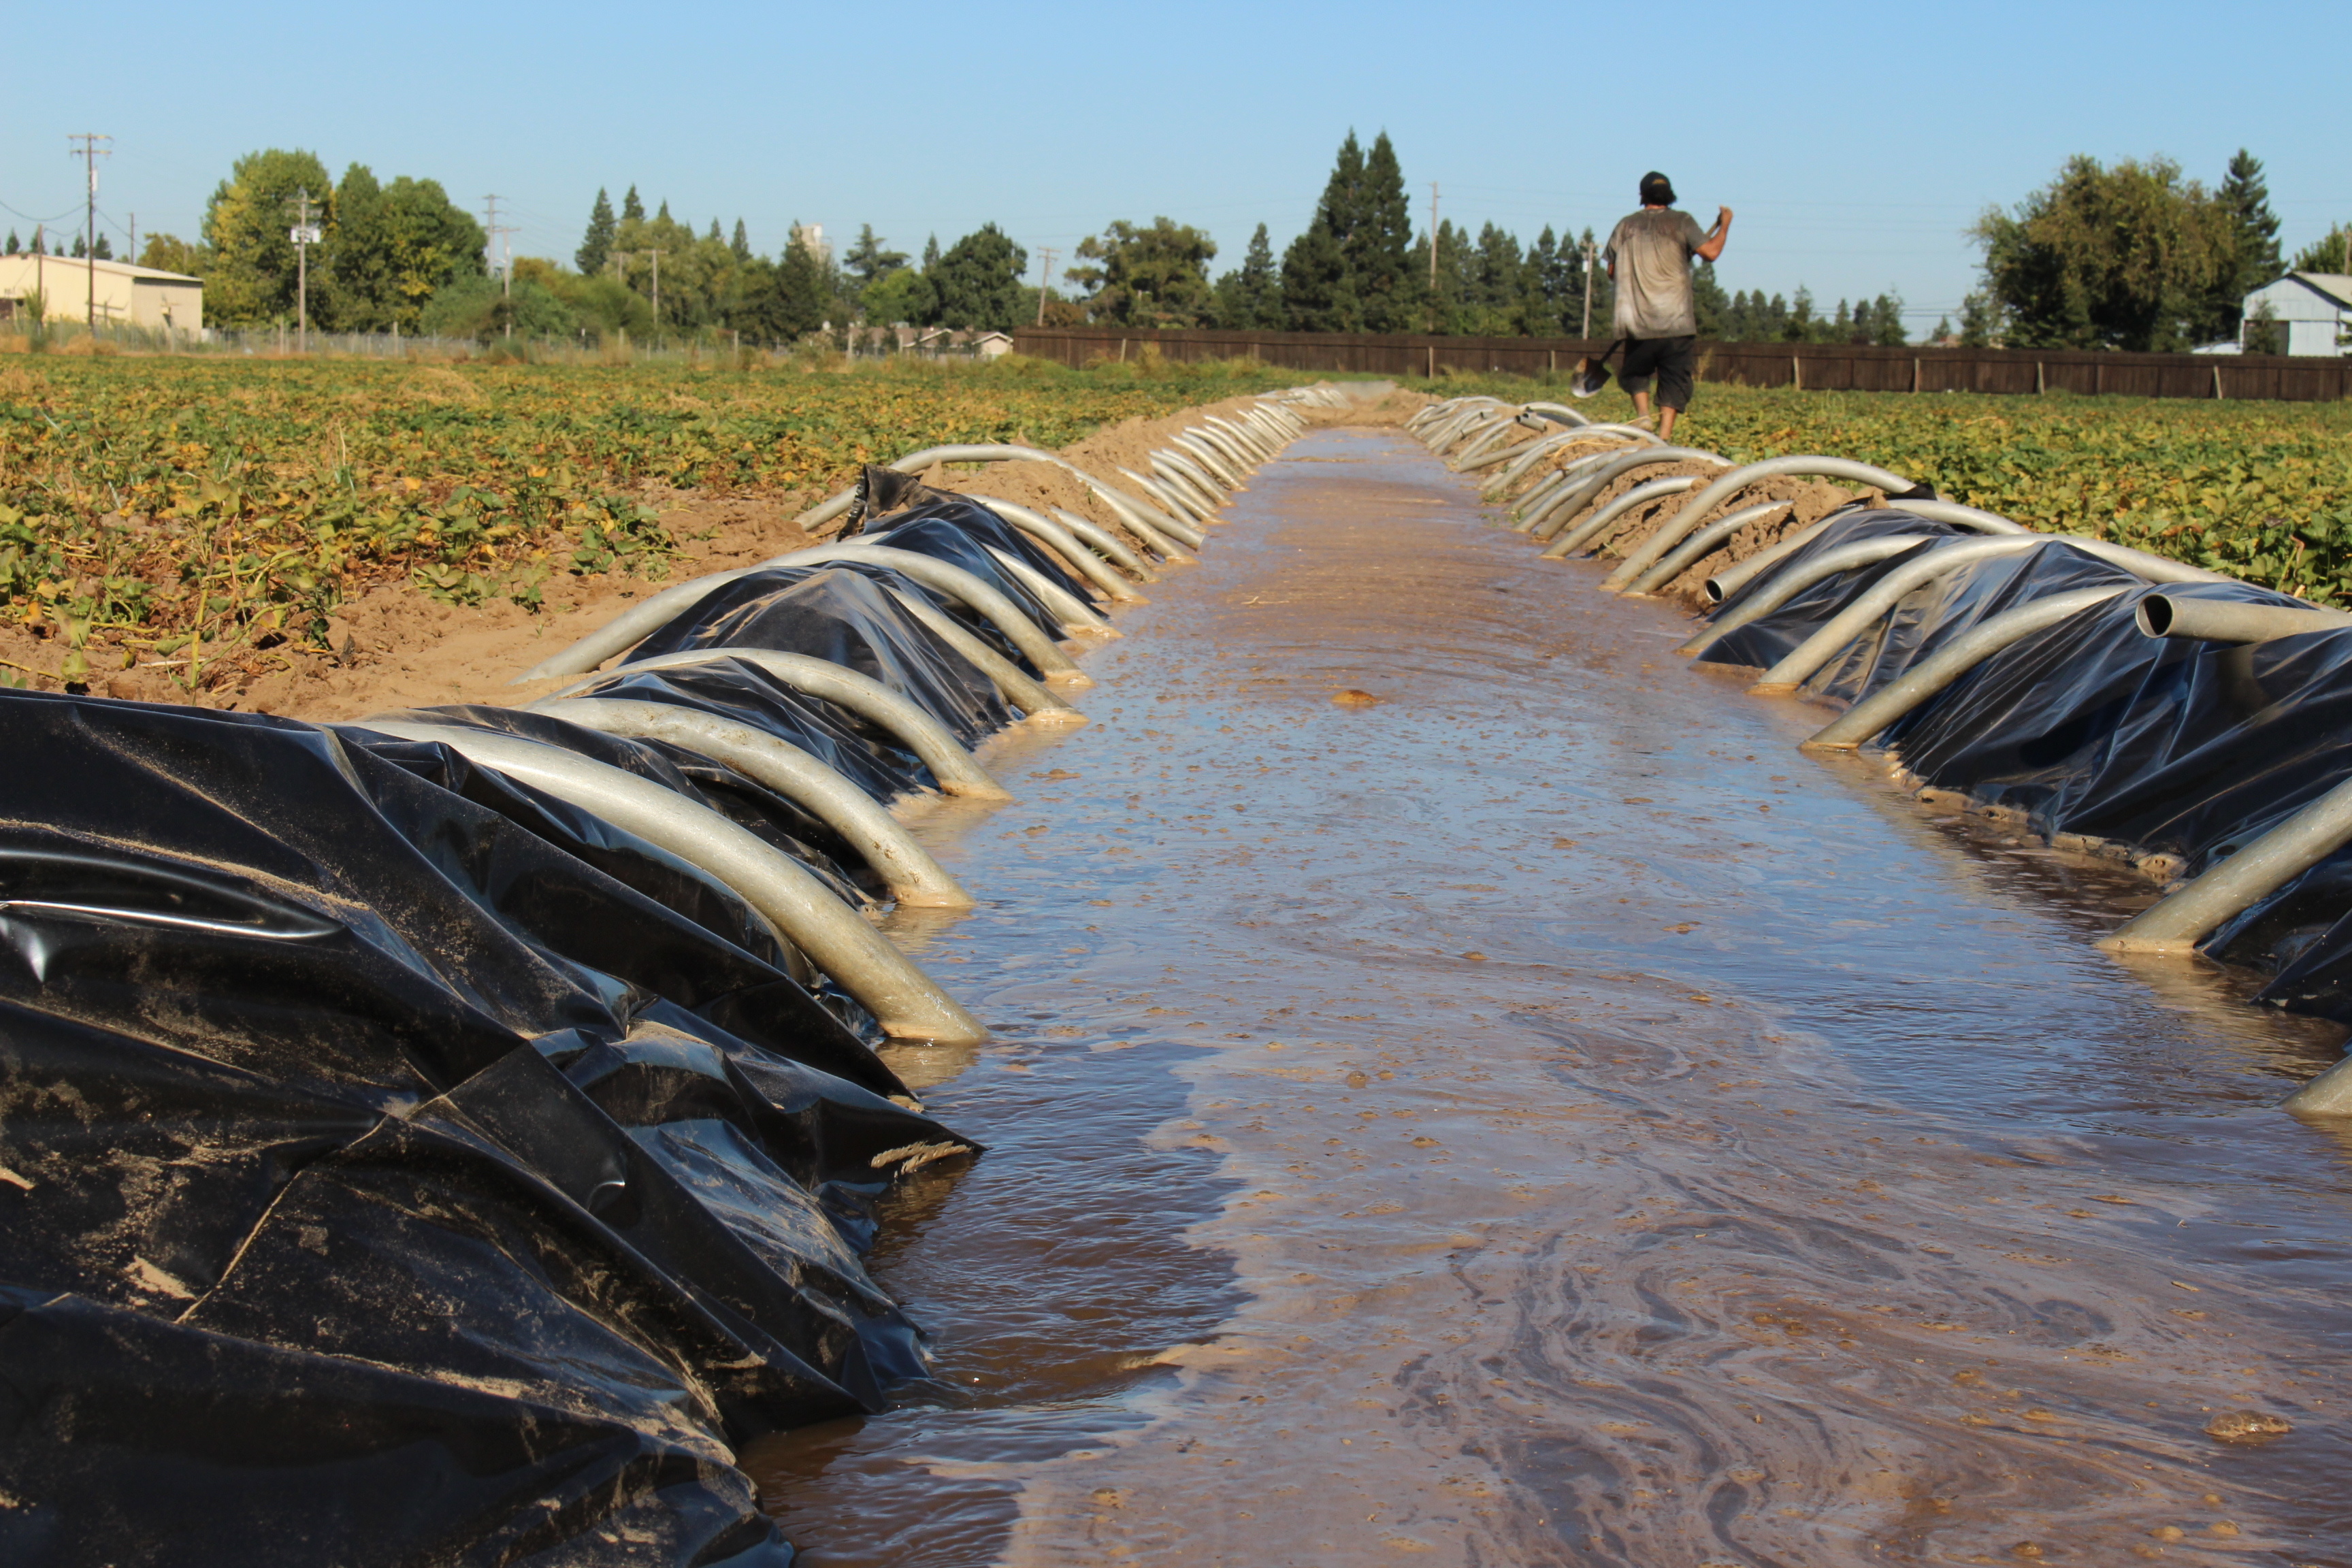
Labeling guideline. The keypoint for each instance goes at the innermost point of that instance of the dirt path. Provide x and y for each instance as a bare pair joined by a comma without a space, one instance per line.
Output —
1540,1118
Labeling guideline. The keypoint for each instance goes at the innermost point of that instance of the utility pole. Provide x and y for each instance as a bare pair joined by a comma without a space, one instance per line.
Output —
506,269
304,234
1588,287
656,256
89,154
1432,256
1045,254
133,257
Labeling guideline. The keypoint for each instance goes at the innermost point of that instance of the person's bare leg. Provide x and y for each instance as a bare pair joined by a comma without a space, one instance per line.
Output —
1667,422
1641,407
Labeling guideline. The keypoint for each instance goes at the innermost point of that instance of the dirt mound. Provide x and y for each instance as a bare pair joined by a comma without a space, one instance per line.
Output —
1810,500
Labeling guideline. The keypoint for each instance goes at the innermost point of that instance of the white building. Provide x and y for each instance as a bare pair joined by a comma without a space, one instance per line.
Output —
2315,310
124,295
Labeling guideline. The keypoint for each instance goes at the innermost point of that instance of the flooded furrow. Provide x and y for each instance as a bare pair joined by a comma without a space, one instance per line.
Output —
1526,1113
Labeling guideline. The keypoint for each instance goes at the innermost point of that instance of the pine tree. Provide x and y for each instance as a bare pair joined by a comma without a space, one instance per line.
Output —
1249,298
1714,310
930,253
740,246
1317,287
2244,199
596,245
79,250
105,249
663,215
1379,245
16,245
632,209
714,237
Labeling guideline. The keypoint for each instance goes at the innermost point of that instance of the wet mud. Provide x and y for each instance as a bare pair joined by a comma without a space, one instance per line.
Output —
1524,1112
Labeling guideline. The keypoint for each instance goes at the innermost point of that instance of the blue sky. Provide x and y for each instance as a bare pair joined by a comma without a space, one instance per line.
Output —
1855,141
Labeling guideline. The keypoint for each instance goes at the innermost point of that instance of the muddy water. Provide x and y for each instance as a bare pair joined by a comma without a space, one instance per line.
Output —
1541,1118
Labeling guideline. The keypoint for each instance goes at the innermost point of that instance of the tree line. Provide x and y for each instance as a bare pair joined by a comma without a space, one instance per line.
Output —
2134,257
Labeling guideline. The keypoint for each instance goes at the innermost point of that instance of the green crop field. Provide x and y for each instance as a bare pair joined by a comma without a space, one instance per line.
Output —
2260,491
144,501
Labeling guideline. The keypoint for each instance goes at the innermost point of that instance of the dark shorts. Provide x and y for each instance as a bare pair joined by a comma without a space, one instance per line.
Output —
1674,360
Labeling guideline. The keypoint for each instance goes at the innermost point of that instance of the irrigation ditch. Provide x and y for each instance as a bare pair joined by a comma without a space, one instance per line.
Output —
1409,1078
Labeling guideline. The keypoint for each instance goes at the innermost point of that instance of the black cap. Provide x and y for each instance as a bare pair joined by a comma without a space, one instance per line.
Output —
1657,190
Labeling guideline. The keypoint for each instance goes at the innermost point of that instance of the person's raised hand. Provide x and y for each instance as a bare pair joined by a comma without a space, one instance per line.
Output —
1722,214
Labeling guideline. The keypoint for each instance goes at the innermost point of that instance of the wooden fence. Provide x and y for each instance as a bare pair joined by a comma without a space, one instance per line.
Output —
1825,368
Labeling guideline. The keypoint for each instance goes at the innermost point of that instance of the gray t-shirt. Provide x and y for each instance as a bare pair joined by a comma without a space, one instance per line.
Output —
1653,252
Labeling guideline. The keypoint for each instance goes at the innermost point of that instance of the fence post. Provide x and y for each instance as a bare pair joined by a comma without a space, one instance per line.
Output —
1914,374
2040,386
2217,384
1797,372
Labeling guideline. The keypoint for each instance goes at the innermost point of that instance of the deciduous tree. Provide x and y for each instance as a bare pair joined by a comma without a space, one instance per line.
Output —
1156,277
2124,258
252,280
979,281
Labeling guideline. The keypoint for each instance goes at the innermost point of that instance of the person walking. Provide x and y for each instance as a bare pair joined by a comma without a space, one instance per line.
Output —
1657,314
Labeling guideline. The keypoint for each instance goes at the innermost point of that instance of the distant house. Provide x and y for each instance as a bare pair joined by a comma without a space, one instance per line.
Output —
122,294
2313,309
992,345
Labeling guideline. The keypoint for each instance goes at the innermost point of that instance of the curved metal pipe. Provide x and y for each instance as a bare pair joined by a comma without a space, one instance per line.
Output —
1559,413
1557,488
1063,542
1075,615
1492,440
1249,440
2176,923
1953,513
1012,682
1872,606
1883,595
2226,620
1517,459
988,452
1906,691
633,625
1471,425
836,939
1235,457
906,723
1714,535
905,867
1148,523
1723,583
1107,543
1809,465
1526,457
1601,478
1785,585
1596,528
1728,581
1172,501
1208,456
1174,472
1110,546
957,584
1193,472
